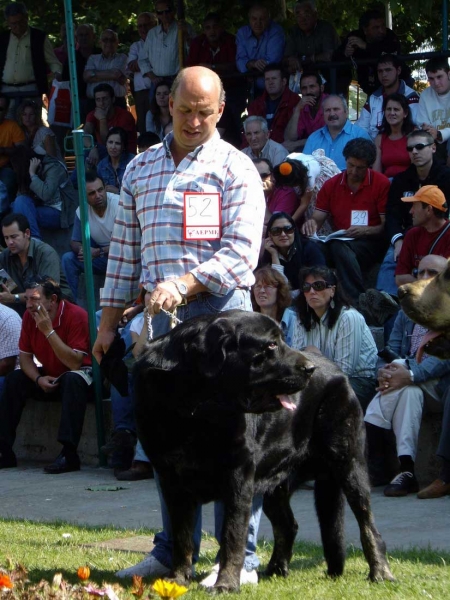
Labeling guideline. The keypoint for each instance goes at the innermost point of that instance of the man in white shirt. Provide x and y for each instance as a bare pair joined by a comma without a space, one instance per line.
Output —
141,85
102,211
434,105
259,145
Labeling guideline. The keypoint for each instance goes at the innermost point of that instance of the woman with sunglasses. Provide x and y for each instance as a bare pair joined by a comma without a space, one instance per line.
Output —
323,321
392,155
287,250
271,294
112,168
158,117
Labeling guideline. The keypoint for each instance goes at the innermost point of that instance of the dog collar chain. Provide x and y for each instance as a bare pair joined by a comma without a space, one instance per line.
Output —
174,320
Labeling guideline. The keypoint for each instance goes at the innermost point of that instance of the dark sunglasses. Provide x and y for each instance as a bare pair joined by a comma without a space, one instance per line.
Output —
419,146
319,286
265,175
276,231
164,12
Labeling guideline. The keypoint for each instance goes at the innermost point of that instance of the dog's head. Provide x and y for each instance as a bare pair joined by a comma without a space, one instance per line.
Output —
427,302
235,358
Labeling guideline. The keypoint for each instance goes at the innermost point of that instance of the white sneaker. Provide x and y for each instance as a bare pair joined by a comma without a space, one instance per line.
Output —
246,577
149,567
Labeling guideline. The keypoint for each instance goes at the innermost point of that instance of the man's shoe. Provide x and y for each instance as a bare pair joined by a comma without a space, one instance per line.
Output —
63,464
403,484
437,489
381,306
149,567
139,470
246,577
8,459
120,440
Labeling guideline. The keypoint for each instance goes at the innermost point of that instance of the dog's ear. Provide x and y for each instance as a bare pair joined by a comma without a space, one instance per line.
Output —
213,346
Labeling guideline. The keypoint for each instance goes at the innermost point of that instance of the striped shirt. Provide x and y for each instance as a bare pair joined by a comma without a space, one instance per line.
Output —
10,327
147,244
349,344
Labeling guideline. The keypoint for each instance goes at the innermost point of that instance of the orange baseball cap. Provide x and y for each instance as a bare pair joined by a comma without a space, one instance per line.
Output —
430,194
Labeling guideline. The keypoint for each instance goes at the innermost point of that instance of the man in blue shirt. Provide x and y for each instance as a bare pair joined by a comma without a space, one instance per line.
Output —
337,131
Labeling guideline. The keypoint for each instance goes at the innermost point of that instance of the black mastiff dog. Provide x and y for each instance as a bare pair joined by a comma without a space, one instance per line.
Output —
225,410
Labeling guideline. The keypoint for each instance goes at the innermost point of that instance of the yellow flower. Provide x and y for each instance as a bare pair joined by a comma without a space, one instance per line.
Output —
168,589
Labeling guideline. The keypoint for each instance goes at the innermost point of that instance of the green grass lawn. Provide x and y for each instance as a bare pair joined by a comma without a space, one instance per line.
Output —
46,549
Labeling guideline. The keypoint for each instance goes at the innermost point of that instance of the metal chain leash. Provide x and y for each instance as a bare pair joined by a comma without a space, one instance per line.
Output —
174,320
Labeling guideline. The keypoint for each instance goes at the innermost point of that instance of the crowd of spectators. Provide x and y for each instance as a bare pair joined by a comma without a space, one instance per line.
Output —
345,201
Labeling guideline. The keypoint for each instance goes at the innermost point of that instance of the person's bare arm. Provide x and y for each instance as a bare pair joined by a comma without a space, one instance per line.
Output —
7,365
106,331
310,227
377,164
304,203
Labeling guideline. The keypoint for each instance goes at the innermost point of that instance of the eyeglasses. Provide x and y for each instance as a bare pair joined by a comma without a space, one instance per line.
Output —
265,175
164,12
276,231
419,146
259,286
319,286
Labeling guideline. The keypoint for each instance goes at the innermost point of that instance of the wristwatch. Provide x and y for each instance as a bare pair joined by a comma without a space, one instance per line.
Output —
181,287
16,298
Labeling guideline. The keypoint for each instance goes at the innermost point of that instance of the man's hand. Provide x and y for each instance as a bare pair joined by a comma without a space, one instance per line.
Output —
5,296
100,113
165,295
112,189
306,101
46,383
259,64
42,320
397,248
357,231
133,66
393,376
102,344
433,131
93,157
355,42
34,166
309,227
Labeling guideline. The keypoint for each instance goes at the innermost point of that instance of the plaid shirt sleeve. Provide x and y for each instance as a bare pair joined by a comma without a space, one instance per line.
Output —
10,326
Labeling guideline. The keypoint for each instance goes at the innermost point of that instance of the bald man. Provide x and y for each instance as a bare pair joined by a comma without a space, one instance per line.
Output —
189,227
403,385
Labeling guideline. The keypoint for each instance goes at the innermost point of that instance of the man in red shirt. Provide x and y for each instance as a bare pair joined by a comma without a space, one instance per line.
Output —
356,201
277,102
430,233
56,333
105,116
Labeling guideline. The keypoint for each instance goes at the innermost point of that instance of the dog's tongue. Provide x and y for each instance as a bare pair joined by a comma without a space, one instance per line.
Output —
430,335
286,402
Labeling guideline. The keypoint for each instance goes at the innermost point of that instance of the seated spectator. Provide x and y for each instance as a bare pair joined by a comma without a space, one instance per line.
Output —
108,67
307,173
308,114
259,145
403,385
102,210
112,167
276,103
324,321
310,40
388,71
147,139
430,233
10,326
25,257
271,294
441,486
286,250
370,41
278,198
159,114
336,133
259,43
51,201
392,155
55,333
105,116
11,138
356,201
434,105
39,138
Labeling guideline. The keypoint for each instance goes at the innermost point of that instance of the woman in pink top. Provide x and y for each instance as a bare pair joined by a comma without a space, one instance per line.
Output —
392,156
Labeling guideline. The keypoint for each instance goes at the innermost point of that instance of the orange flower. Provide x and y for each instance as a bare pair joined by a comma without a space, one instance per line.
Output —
5,581
83,573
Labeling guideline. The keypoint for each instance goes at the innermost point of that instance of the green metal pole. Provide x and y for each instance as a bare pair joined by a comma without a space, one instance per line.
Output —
78,137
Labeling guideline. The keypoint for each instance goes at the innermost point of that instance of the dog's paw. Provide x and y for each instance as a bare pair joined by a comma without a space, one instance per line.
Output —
223,588
280,569
381,573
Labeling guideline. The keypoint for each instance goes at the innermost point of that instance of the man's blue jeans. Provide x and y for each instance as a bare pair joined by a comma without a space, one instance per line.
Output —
162,551
38,216
72,268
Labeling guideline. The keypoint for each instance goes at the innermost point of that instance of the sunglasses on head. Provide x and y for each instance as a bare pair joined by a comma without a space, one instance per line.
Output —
319,286
418,146
166,11
278,230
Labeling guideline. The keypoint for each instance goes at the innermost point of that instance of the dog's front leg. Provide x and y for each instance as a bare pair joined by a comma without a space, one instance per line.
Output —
237,507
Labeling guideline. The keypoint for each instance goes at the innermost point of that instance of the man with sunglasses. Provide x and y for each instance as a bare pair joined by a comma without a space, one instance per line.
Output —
425,169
